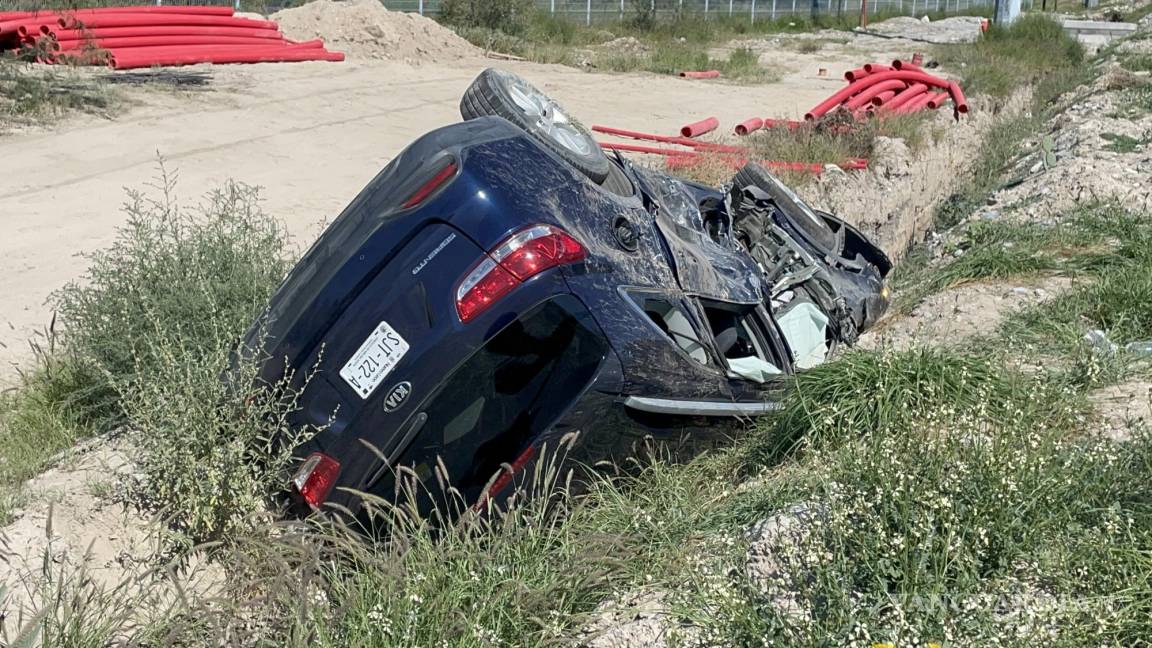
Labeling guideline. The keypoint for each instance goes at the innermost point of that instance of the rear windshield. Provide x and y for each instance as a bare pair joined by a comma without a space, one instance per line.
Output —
494,405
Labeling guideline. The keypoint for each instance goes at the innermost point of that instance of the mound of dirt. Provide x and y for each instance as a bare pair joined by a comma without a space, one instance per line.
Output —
365,29
957,29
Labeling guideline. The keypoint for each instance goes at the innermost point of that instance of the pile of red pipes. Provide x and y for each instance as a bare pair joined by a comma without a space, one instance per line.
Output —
696,152
902,87
146,36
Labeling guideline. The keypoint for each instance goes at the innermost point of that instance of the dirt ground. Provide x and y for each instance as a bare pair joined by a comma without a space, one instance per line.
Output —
312,134
954,317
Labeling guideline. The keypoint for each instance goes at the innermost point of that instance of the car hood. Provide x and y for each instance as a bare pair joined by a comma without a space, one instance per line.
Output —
702,266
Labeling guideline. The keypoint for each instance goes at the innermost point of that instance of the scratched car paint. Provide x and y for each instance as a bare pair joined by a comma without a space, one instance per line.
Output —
502,288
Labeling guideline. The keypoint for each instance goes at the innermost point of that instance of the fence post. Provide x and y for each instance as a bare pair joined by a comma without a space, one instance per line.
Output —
588,13
553,10
621,9
753,12
729,7
773,9
793,7
420,8
705,9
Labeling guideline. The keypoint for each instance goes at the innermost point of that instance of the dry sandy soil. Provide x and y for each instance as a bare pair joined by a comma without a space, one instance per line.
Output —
312,134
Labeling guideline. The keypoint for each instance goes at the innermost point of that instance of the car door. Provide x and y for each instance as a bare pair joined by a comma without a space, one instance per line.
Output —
746,343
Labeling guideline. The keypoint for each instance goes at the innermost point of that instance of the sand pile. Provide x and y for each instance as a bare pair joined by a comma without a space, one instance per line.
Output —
957,29
365,29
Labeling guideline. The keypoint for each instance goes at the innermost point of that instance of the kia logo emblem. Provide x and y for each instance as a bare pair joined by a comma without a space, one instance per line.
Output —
397,396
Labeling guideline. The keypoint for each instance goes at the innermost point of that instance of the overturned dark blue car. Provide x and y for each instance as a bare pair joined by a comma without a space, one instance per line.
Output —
503,284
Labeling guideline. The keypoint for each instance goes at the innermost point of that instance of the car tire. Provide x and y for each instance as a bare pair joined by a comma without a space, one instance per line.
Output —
504,94
812,227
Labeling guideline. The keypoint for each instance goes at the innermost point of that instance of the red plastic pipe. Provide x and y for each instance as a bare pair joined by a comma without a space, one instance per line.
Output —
198,10
161,30
857,74
906,65
140,57
138,20
882,98
790,124
904,97
161,41
166,50
869,81
172,40
700,74
937,99
677,162
20,27
749,126
957,97
915,104
642,148
868,93
696,129
665,139
610,130
678,159
873,68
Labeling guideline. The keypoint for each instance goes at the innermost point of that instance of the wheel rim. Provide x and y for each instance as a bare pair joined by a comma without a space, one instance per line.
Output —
548,117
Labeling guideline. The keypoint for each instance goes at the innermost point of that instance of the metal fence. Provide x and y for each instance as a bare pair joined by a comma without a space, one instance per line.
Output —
590,11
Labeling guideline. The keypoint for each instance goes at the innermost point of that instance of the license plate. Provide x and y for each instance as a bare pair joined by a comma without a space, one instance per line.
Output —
374,360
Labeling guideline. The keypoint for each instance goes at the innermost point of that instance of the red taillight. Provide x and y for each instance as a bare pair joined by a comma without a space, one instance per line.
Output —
431,186
316,477
520,257
506,474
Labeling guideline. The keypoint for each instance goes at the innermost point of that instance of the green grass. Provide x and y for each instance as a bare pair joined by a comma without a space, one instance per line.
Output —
670,45
31,94
833,140
672,57
1137,62
947,494
1103,248
1005,59
45,413
1137,101
1118,143
1003,250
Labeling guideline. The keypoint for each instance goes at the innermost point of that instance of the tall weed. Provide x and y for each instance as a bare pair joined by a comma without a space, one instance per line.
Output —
174,279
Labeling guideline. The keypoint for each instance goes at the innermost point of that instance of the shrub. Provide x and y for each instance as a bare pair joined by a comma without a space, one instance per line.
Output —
151,326
509,16
213,453
29,94
172,279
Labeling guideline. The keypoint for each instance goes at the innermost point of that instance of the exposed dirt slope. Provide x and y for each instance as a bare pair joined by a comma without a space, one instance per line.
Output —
895,201
74,522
